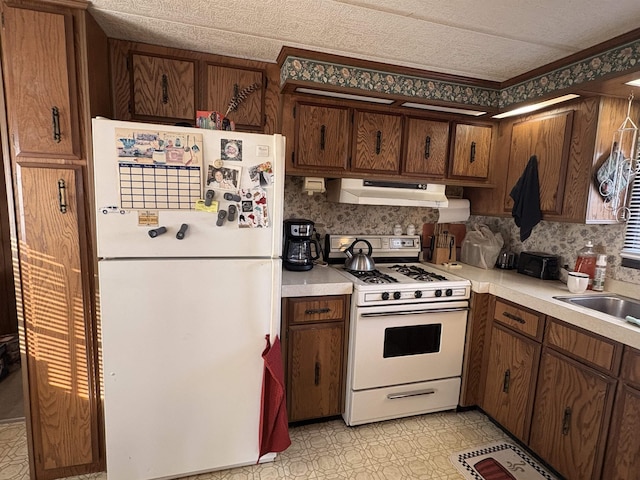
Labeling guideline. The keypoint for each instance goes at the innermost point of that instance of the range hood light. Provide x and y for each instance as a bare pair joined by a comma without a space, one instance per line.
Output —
634,83
347,96
438,108
536,106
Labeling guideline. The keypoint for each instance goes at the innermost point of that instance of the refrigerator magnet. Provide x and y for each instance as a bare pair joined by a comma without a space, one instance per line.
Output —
231,150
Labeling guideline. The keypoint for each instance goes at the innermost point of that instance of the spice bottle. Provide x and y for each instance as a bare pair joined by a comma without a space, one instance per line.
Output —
586,262
600,273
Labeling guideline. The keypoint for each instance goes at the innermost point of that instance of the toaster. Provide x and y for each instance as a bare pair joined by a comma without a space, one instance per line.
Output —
539,265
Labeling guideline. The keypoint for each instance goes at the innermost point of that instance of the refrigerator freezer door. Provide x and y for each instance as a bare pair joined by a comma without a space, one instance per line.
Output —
119,232
182,341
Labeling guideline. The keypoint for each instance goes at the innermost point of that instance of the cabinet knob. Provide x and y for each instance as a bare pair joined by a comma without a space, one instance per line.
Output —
323,130
566,421
427,147
316,379
378,142
62,196
55,120
506,381
473,152
165,88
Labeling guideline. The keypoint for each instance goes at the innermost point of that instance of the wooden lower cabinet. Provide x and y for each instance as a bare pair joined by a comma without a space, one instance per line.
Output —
571,416
623,450
511,378
314,341
60,351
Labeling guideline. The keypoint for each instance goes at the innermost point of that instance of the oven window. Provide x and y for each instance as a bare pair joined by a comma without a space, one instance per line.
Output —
412,340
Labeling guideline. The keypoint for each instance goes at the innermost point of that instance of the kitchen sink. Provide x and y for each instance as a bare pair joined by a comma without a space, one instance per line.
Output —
615,305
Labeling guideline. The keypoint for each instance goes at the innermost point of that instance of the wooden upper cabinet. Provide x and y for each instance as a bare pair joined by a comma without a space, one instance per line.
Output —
163,88
40,82
377,142
549,139
471,150
426,147
244,87
322,137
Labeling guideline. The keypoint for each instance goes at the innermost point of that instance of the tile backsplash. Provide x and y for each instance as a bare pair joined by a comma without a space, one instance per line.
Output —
563,239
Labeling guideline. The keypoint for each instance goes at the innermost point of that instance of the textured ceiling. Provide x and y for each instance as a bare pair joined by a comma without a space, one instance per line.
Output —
488,39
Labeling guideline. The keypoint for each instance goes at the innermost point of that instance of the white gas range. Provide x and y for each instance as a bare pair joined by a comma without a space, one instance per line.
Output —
407,330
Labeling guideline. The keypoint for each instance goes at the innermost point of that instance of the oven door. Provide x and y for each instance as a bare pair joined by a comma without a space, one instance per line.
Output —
398,344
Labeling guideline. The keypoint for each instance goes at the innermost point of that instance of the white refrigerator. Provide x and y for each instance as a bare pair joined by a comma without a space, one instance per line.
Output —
185,311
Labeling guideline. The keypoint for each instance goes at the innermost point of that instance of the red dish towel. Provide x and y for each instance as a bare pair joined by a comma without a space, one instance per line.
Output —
274,427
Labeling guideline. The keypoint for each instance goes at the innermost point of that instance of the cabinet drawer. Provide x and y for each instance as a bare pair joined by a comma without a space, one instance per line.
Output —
630,371
318,309
520,319
597,351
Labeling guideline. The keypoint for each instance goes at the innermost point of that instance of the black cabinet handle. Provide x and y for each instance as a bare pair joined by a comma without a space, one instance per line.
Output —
506,381
313,311
513,317
323,131
566,421
378,142
427,147
62,196
316,379
473,152
55,119
165,88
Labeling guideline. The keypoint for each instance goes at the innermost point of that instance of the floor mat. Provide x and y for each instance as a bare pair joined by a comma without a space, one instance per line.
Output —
499,461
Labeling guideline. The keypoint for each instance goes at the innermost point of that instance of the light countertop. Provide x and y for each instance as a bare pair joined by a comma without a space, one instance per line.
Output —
320,280
508,284
538,295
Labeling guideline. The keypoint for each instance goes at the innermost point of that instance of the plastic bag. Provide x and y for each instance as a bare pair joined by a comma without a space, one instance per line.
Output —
481,247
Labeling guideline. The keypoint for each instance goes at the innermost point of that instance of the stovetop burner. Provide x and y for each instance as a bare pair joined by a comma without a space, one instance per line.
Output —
374,276
417,273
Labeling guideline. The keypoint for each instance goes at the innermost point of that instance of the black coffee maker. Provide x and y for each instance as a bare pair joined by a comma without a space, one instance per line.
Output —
297,254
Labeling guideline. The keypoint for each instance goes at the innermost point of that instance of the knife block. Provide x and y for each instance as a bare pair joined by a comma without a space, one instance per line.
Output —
443,254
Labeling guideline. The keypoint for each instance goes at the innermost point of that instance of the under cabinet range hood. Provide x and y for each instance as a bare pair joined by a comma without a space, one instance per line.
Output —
375,192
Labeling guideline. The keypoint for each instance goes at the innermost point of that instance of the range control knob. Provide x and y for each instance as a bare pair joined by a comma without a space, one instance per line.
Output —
418,294
396,295
449,292
438,293
385,295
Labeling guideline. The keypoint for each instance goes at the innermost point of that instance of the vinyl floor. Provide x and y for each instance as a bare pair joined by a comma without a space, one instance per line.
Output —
409,448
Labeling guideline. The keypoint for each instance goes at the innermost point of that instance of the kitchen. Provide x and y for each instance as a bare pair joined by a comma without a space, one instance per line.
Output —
361,219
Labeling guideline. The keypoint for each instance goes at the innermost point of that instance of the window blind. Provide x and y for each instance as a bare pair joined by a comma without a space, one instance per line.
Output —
631,247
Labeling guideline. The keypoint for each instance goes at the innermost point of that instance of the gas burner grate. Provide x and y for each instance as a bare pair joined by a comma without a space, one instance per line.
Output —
417,273
373,276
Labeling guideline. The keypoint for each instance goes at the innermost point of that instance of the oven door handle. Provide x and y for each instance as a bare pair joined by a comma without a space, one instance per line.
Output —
415,312
415,393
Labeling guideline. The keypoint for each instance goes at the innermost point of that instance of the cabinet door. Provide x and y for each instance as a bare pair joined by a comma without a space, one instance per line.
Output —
427,144
377,143
163,87
511,376
623,449
471,150
242,86
57,312
315,370
39,69
322,137
571,416
549,139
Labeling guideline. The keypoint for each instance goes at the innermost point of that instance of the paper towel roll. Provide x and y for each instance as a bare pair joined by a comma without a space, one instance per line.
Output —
457,211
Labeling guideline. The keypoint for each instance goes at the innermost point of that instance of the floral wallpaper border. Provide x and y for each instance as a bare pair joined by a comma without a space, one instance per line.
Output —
616,60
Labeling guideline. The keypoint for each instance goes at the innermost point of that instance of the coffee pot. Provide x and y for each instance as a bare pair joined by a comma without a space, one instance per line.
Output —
299,249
